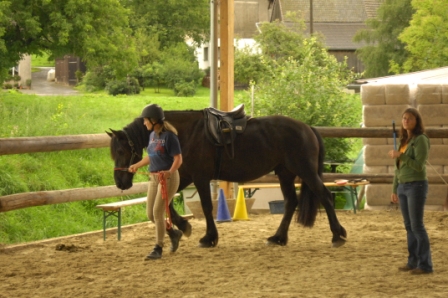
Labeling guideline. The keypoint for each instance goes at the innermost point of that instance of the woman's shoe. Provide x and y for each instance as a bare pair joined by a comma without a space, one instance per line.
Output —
420,271
405,268
156,253
175,236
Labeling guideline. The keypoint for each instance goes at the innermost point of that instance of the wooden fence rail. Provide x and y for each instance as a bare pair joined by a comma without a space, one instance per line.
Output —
73,142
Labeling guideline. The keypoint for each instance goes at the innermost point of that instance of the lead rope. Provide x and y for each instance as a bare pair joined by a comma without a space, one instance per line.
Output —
162,181
436,172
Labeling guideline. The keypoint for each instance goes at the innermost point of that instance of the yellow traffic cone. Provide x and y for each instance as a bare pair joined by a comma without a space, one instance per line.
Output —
240,212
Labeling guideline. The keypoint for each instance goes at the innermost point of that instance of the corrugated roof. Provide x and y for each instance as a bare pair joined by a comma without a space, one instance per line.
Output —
436,76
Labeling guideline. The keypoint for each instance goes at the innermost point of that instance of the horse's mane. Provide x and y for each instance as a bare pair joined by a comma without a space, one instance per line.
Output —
136,131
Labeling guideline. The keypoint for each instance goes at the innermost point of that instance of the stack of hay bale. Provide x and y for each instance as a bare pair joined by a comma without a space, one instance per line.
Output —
384,103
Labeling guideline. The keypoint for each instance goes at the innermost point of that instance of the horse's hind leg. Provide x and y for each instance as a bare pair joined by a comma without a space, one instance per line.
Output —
322,193
211,236
289,194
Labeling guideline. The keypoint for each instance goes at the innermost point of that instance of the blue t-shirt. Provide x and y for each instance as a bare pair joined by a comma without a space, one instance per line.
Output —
161,150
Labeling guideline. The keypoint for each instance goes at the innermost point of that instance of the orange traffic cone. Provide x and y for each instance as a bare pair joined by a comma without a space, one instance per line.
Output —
222,213
240,207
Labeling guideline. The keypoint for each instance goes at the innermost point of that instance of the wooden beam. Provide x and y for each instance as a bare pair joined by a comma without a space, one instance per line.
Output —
372,178
227,12
40,198
52,143
73,142
226,72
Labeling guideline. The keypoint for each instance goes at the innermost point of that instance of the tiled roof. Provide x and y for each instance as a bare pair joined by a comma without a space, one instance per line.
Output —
337,20
343,11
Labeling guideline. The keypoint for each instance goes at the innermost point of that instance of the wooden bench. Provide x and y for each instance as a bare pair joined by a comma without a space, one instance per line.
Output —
114,209
351,187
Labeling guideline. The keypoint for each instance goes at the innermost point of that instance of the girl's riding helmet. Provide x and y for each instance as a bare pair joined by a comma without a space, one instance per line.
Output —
153,111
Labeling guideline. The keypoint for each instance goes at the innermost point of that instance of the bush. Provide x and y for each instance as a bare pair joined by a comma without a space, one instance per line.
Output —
7,86
79,75
98,78
184,89
127,86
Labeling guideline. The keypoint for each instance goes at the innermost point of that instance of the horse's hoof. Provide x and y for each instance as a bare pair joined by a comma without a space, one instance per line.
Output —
187,229
275,241
338,243
207,244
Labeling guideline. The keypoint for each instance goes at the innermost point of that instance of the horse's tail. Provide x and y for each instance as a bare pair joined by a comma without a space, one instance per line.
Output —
308,201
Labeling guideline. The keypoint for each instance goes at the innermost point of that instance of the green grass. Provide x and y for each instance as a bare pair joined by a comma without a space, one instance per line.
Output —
30,116
41,61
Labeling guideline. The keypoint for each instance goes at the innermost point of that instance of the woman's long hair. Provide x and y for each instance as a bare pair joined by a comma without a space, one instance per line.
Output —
418,129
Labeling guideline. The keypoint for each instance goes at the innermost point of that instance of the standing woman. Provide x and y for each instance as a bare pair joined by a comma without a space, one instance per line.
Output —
410,188
164,159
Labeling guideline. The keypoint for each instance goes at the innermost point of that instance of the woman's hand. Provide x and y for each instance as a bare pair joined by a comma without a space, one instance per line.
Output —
394,198
394,153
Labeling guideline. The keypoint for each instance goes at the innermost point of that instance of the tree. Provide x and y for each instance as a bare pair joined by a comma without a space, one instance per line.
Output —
381,38
173,20
302,81
97,31
426,38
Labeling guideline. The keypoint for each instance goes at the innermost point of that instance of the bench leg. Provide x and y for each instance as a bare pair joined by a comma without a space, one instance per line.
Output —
119,224
104,225
117,214
352,194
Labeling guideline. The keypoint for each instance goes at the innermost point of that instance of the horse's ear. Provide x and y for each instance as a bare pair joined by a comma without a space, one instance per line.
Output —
109,133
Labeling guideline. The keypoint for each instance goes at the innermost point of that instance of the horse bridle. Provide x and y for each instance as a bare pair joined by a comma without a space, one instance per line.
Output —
133,152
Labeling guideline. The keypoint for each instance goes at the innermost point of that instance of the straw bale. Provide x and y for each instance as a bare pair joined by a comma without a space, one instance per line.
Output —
434,114
438,155
374,141
373,94
380,116
376,155
445,94
445,140
434,169
428,94
397,94
437,194
378,194
374,169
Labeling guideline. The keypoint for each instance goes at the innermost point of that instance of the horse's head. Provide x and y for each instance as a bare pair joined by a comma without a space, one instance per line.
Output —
124,154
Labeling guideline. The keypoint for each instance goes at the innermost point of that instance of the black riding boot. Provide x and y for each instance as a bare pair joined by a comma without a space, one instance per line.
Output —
175,236
156,253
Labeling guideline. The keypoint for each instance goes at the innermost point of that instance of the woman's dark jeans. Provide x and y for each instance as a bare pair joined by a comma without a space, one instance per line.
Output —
412,196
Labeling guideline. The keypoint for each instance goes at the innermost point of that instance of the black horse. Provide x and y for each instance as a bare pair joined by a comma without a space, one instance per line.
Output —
275,143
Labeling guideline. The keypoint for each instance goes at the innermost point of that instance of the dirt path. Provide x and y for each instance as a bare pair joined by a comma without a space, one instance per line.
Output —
241,266
40,85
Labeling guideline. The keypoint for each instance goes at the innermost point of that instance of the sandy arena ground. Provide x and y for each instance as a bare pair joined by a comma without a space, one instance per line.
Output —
240,266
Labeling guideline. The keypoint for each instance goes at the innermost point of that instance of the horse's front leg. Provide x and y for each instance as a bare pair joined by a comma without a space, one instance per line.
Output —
281,236
211,235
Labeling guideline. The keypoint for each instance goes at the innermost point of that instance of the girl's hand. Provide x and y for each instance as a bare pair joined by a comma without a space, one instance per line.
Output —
394,198
394,153
132,169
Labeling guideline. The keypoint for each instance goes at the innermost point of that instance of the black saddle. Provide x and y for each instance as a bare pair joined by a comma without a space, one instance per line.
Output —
221,128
